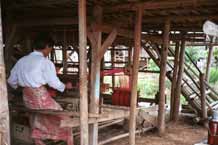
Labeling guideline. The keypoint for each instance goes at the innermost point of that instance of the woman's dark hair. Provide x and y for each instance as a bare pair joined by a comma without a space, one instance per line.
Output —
42,40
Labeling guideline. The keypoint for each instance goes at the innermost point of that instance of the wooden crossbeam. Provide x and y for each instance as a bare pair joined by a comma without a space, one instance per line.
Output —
167,4
110,39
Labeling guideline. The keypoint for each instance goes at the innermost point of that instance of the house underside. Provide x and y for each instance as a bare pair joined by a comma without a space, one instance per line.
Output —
115,38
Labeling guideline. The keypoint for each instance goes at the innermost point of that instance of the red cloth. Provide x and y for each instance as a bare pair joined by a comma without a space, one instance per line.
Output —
45,126
112,71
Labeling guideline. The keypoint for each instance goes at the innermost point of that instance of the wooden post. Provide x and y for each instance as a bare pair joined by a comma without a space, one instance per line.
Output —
28,44
179,81
175,72
95,75
84,140
162,87
209,58
64,53
203,99
130,64
137,48
9,47
112,63
4,111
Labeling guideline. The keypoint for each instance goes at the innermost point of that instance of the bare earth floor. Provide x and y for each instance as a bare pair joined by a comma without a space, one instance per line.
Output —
181,133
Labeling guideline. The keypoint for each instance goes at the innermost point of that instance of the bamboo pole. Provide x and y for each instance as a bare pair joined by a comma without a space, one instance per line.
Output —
175,72
209,58
4,111
162,87
137,48
179,81
95,75
83,73
203,99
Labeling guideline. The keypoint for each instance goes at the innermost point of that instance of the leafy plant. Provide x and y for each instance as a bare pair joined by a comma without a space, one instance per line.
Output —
213,75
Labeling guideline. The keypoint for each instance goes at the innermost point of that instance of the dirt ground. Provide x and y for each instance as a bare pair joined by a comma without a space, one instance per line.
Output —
185,132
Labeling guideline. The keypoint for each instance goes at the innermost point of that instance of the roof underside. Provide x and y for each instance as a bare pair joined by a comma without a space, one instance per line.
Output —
185,15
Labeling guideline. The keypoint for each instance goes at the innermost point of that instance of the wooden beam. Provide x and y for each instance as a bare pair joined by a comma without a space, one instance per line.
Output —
112,139
47,22
181,18
4,111
203,99
137,48
209,58
109,40
84,140
175,73
162,85
154,5
178,82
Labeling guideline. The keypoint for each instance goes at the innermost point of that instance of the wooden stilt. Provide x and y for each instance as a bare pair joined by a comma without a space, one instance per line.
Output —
4,111
175,72
112,63
162,87
137,48
64,50
84,140
209,58
28,44
178,82
203,99
95,75
8,47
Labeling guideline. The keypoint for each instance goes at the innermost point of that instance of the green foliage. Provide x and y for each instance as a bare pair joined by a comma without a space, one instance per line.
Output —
152,65
215,55
196,52
148,85
213,75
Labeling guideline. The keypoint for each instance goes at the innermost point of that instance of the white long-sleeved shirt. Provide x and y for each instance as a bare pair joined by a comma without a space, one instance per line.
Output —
35,70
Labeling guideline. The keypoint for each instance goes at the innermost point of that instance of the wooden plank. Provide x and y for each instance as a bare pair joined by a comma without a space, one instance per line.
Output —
124,135
84,140
4,111
175,73
107,115
178,82
137,49
53,112
162,85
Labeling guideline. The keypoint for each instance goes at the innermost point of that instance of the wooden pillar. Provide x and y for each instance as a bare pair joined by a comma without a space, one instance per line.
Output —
162,87
4,111
64,53
209,58
112,63
9,47
84,140
179,81
203,99
137,48
130,64
28,44
95,75
175,73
